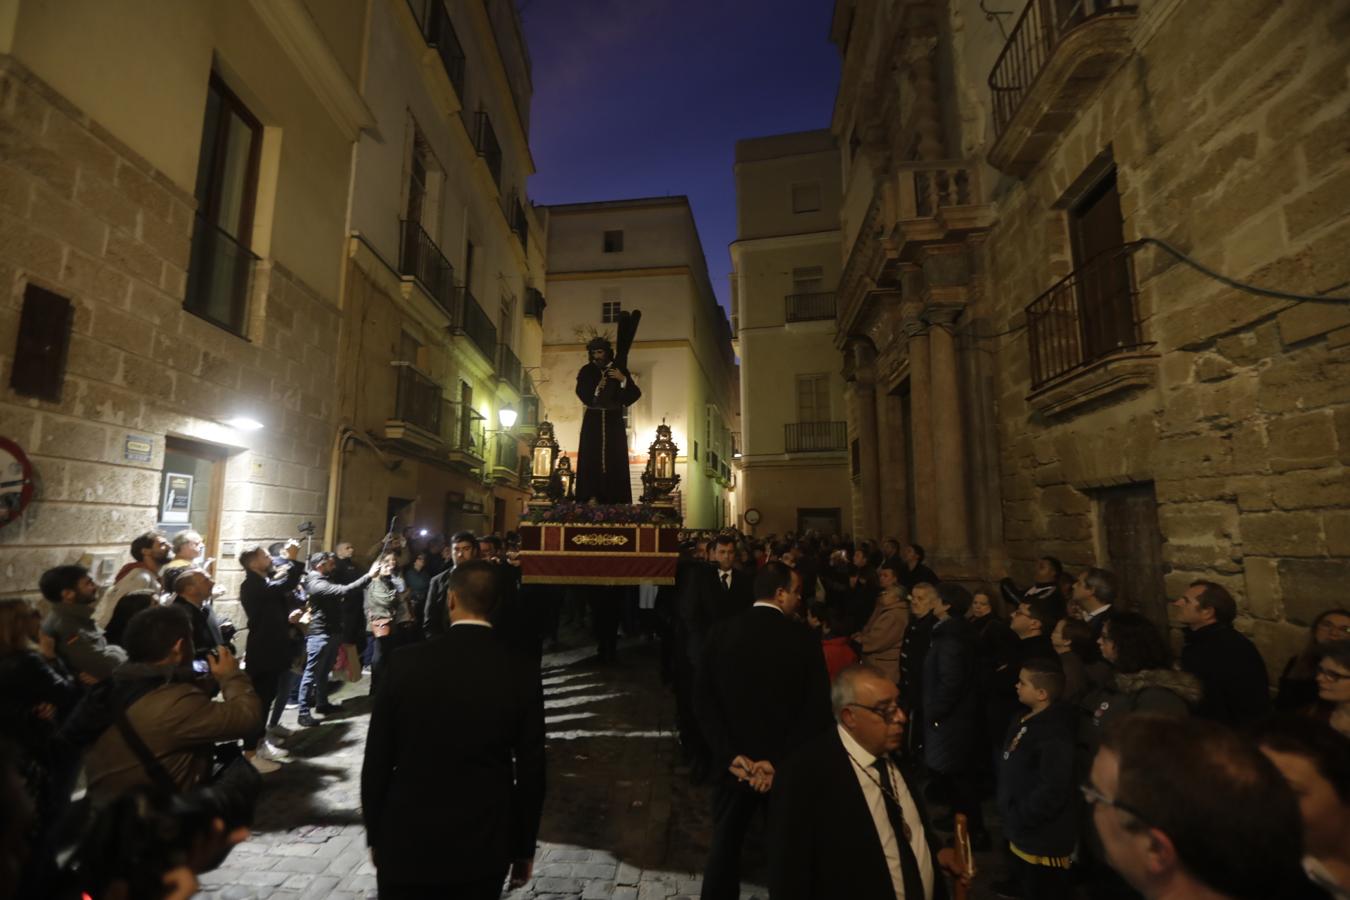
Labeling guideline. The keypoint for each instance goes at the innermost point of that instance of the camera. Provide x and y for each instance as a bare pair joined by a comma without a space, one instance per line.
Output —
306,528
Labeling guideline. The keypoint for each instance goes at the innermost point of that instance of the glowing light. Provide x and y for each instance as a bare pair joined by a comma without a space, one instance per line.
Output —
506,416
244,423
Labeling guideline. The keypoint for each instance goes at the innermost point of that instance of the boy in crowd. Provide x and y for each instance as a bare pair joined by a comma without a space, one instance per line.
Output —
1035,785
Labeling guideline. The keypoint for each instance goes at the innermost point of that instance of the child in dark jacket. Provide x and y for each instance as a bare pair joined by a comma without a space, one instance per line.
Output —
1036,794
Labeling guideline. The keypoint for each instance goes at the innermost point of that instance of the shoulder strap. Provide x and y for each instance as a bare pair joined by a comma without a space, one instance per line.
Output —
153,767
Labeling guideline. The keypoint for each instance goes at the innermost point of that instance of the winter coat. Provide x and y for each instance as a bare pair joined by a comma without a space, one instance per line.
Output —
80,642
1237,689
326,600
950,698
268,603
880,639
1162,691
1037,797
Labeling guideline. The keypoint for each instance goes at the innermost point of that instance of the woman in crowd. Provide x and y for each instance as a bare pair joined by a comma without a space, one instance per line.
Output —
1333,686
989,624
1298,683
417,580
1141,678
879,640
1083,670
834,641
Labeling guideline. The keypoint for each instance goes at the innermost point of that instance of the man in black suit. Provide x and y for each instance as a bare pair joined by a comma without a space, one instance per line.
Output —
463,547
453,783
716,592
761,691
844,821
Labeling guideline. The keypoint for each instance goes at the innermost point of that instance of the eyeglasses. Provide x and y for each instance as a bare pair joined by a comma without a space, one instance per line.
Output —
1094,797
886,711
1332,674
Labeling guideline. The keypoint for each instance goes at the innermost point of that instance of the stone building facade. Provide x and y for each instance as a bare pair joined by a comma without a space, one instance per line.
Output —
785,267
191,273
645,254
1112,404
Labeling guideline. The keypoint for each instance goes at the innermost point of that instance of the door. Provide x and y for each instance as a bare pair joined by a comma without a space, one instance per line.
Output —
1105,297
192,487
1133,548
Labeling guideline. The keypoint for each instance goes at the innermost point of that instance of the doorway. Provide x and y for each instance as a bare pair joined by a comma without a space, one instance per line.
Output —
1132,547
192,487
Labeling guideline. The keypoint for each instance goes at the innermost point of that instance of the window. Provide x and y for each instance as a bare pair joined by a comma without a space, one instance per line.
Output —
42,346
806,197
614,241
419,168
813,398
227,181
506,318
609,310
468,266
409,349
695,451
808,280
1105,294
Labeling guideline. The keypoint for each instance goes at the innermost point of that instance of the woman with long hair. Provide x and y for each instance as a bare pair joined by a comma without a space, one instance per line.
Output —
1298,683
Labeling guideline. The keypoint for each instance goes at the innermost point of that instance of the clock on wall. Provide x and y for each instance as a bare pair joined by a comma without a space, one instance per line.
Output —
16,481
752,516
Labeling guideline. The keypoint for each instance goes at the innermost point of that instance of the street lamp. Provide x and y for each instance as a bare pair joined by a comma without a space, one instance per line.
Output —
506,416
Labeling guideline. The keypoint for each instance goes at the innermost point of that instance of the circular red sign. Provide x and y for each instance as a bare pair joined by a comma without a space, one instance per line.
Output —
16,481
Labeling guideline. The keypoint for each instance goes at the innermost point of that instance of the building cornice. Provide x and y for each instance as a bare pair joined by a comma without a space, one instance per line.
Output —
291,24
599,274
783,241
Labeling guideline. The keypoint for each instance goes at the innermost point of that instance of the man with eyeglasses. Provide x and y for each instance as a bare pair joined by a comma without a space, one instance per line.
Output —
844,820
1187,808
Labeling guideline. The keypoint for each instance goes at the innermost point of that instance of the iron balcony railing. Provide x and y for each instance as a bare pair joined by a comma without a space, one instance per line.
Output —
1085,316
220,277
509,368
417,399
506,453
534,304
462,431
439,33
470,320
529,413
814,437
420,258
1033,41
809,307
485,142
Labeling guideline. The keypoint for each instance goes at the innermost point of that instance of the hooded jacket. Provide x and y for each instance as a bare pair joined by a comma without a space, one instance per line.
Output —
1165,692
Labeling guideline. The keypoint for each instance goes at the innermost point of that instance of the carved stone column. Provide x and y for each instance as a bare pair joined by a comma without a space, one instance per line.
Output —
949,445
921,424
891,453
862,414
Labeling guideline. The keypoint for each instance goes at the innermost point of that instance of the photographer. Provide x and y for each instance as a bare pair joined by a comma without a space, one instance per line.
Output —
326,602
192,593
268,598
162,704
386,612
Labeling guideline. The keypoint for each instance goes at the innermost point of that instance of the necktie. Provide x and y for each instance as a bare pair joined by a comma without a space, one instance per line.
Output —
909,864
726,580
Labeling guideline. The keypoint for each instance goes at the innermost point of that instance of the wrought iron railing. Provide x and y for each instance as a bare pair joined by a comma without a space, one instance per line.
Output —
529,413
1032,43
439,33
814,437
506,453
420,258
1086,315
220,276
485,142
470,320
509,368
534,304
809,307
462,431
417,399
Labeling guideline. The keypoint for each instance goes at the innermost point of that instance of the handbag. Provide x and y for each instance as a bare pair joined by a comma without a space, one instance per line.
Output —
381,628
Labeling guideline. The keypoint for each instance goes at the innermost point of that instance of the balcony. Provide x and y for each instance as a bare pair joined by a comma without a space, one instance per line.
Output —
1057,56
534,304
815,437
485,142
930,202
417,409
528,421
220,277
505,469
520,224
1083,335
470,320
462,435
439,33
420,258
809,307
509,368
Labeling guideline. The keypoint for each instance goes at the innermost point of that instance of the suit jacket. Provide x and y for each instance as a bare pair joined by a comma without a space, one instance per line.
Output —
1237,689
824,843
762,688
268,603
706,602
452,718
950,698
436,606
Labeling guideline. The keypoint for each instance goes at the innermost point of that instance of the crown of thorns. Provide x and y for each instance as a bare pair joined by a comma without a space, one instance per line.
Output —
599,343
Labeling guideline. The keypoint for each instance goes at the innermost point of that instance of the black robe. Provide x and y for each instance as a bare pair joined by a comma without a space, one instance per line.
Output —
602,454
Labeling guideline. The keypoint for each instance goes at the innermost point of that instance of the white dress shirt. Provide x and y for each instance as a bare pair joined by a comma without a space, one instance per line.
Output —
773,606
876,803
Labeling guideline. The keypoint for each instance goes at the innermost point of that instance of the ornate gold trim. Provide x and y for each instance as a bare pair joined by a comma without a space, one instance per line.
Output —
600,540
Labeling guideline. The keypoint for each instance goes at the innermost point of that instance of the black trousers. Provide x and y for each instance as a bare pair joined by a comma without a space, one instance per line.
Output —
264,683
734,807
962,790
1042,882
606,611
489,888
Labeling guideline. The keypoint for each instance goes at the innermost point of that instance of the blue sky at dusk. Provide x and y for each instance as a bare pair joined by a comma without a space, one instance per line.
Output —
643,98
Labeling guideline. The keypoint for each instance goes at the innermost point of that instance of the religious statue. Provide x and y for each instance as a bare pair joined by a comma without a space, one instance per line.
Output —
605,387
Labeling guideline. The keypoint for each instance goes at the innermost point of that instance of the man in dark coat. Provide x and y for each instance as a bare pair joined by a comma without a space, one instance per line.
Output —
951,707
326,602
463,547
844,821
913,651
761,691
1237,687
268,598
602,452
452,788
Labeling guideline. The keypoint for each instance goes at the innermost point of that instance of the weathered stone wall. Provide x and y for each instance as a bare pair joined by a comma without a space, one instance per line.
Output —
84,216
1229,127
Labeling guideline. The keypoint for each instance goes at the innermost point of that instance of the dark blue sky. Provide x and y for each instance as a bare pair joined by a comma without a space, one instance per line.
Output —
643,98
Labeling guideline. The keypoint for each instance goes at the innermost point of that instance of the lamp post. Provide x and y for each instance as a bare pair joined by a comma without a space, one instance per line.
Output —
659,480
543,456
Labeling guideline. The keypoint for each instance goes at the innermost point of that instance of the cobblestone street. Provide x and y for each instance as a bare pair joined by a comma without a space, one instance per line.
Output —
619,820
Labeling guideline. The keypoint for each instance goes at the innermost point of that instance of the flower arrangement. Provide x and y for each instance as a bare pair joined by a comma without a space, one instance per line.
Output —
572,513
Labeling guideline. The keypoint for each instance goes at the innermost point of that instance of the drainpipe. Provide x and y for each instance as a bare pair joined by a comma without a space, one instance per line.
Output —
345,433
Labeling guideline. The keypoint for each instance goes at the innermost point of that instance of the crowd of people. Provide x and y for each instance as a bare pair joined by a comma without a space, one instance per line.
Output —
840,692
1053,720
